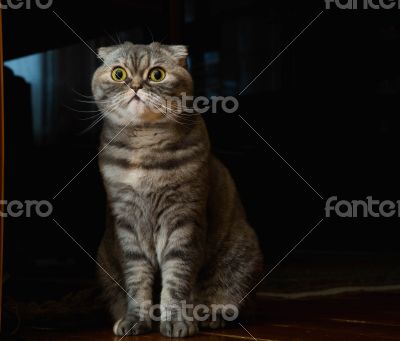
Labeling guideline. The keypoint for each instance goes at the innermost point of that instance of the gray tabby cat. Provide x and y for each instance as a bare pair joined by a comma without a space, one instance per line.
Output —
174,208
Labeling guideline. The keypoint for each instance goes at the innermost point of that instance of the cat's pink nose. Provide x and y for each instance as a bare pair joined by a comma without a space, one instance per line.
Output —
136,86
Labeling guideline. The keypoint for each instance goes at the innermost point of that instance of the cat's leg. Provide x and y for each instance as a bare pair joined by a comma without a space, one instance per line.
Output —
224,284
179,267
220,306
112,294
138,274
139,278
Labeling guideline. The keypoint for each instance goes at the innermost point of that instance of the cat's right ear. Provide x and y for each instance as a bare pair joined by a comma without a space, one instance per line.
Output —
103,52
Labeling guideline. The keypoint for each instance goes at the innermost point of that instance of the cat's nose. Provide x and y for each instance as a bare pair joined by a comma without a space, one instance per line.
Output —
136,87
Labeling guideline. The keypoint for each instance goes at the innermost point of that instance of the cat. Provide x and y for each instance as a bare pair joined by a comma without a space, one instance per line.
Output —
173,207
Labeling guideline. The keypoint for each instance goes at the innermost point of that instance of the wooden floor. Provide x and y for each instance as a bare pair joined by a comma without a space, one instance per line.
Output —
345,318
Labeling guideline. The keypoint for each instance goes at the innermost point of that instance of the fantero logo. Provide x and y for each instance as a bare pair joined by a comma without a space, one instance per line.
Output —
26,4
362,208
362,4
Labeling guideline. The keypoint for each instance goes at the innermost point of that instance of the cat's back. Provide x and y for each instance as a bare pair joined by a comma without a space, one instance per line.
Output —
224,205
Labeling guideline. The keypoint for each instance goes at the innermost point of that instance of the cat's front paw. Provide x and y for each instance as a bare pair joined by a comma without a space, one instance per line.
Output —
179,328
216,323
130,325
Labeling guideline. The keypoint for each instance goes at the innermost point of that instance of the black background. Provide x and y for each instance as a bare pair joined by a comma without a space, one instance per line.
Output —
328,105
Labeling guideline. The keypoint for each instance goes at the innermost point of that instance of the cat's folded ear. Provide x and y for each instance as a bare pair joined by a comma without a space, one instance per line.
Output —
103,52
179,52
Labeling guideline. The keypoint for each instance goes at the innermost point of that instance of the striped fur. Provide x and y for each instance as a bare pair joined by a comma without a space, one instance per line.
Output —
173,207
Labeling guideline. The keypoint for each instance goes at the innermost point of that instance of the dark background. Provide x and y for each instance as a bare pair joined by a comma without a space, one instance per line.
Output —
328,105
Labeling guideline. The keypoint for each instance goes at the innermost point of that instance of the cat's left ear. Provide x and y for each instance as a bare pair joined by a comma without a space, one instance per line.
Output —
179,52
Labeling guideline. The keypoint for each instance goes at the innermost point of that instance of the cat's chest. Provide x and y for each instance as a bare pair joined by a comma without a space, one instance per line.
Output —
142,179
134,177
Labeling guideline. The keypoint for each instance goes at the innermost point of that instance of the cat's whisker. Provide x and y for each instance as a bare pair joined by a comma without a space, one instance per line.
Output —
179,109
173,115
104,113
80,94
90,102
93,124
175,112
81,111
118,38
90,117
112,38
164,112
170,115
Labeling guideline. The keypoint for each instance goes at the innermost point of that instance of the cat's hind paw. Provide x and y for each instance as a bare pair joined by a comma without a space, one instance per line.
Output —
178,328
216,323
131,326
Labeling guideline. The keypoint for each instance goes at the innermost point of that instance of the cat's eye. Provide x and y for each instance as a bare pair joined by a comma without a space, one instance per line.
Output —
157,74
118,74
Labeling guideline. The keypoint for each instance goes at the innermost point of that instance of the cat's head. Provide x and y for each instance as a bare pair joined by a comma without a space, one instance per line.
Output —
135,83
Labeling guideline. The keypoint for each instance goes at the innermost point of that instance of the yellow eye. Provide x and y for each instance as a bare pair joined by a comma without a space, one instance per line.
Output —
118,74
157,74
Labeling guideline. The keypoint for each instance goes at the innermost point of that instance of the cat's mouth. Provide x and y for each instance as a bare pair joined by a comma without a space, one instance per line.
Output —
135,97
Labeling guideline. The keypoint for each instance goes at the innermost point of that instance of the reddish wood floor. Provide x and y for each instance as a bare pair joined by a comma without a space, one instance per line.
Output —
344,318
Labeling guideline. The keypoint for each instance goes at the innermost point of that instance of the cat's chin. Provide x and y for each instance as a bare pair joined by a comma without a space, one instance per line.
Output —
136,108
137,114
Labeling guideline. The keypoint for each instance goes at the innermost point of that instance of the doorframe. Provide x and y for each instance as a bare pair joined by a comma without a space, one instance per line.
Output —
1,162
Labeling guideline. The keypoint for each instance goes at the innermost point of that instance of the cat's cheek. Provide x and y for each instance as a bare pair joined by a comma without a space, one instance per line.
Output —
141,112
151,116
